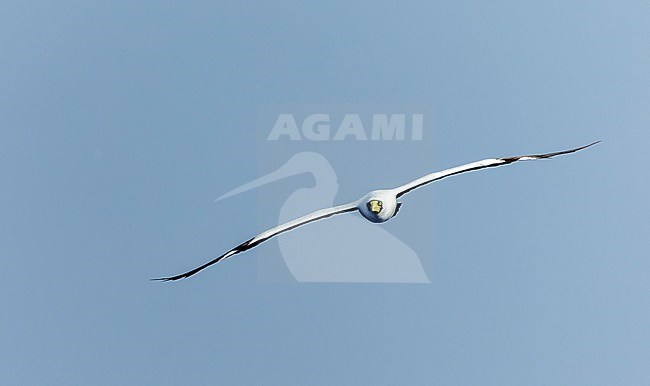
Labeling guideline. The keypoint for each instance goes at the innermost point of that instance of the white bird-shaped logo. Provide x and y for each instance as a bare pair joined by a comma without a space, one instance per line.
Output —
377,206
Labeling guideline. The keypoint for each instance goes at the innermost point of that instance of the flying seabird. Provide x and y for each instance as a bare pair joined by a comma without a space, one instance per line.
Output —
377,206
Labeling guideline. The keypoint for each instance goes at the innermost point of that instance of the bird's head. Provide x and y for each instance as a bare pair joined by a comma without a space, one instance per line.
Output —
378,206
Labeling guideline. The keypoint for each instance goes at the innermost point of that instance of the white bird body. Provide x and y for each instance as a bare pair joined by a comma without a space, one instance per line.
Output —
377,206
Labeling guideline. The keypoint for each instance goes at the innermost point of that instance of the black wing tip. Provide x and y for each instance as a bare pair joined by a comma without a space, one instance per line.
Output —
571,150
170,278
548,155
183,275
551,155
240,248
585,146
166,279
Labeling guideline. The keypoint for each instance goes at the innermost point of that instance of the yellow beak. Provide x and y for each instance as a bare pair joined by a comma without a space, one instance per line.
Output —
375,206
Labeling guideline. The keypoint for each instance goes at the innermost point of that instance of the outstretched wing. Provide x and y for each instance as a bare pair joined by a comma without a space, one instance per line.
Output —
318,215
487,163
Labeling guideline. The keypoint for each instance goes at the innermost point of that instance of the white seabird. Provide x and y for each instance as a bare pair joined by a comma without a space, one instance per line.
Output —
377,206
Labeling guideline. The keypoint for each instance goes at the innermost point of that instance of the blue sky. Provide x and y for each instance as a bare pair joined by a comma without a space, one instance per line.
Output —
121,122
